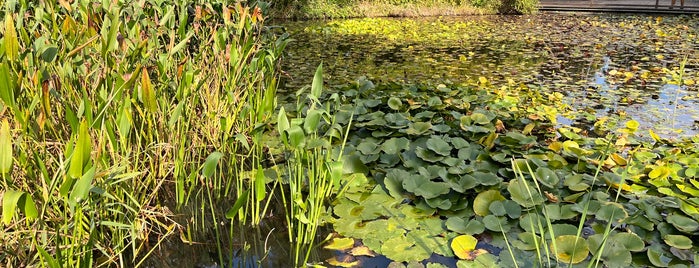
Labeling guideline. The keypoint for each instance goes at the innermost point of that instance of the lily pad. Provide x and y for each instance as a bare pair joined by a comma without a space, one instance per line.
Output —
481,204
463,245
678,241
524,194
439,146
395,103
340,243
570,249
682,223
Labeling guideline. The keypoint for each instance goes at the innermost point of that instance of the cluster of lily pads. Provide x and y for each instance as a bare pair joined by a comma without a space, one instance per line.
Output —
487,176
621,73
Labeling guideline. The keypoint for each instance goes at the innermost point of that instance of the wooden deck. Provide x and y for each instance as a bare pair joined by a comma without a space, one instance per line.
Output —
642,6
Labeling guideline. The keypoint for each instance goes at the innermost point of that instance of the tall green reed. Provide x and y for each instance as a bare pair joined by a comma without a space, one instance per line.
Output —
111,110
314,173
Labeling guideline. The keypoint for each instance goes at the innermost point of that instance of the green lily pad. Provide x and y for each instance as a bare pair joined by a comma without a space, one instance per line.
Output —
418,128
439,146
479,118
678,241
526,241
403,249
547,177
570,249
481,204
524,194
422,186
395,103
496,224
395,145
610,211
682,223
428,155
486,178
629,241
658,257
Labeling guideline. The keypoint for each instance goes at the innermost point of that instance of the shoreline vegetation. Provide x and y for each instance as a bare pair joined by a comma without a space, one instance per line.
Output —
129,131
331,9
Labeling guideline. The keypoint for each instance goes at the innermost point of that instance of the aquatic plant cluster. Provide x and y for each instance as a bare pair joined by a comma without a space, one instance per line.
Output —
452,161
126,127
632,71
115,114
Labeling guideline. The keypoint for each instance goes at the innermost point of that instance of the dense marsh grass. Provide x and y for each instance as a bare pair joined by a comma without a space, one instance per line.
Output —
118,113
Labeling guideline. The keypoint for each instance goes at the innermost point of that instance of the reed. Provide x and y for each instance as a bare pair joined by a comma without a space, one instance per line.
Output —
110,110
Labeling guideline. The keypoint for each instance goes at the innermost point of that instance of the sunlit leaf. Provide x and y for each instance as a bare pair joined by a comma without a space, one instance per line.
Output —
463,245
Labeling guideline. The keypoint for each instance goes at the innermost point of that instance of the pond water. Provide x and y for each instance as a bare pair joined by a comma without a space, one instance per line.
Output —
607,68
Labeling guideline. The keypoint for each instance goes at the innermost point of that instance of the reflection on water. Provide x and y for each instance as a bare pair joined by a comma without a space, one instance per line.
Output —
604,64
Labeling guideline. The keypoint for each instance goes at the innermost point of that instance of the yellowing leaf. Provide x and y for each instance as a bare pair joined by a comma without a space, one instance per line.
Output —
659,172
653,135
340,244
342,263
11,43
147,92
362,251
5,148
463,245
482,80
632,125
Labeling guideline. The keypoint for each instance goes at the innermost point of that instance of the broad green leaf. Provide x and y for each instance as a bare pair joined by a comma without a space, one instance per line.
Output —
82,186
660,172
547,177
524,194
629,241
317,85
26,203
9,205
242,199
260,183
463,245
496,224
658,257
395,103
5,147
10,37
611,211
282,124
404,249
678,241
439,146
479,118
420,185
297,138
570,249
682,223
395,145
481,204
7,85
81,151
345,263
210,164
311,121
